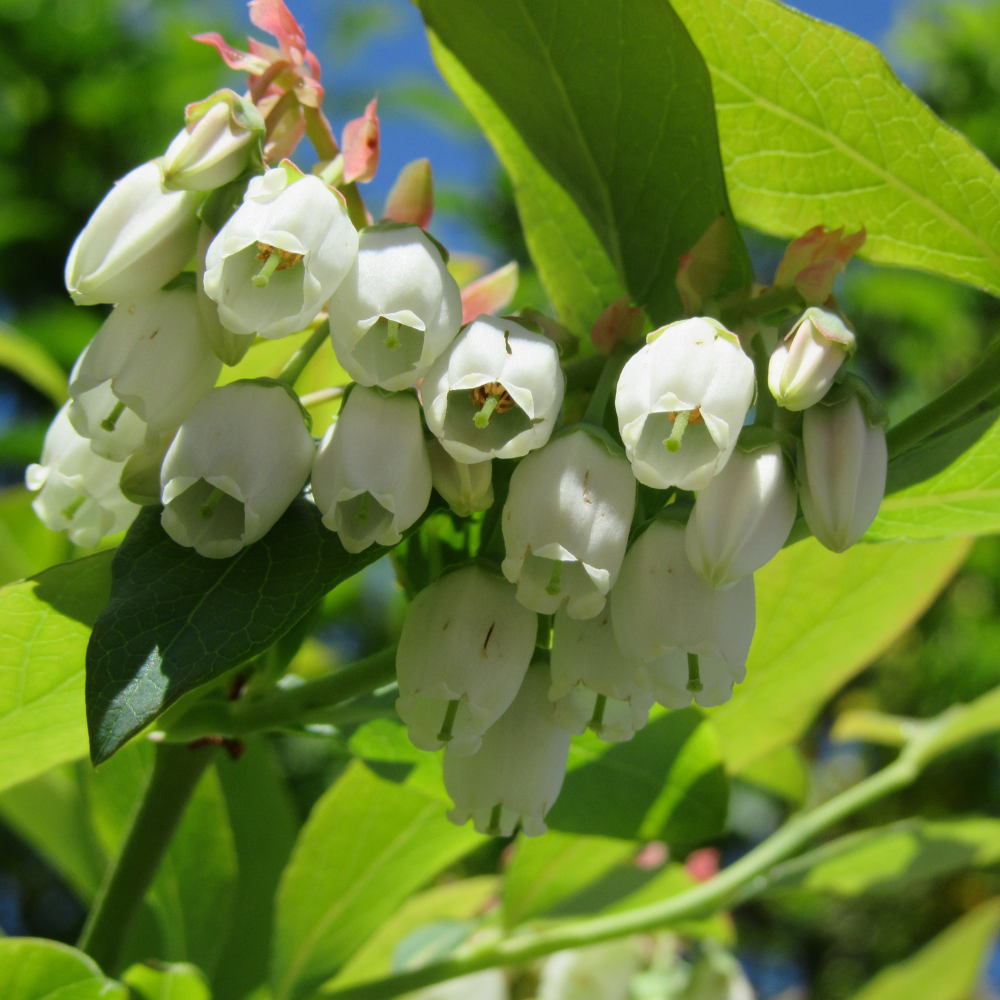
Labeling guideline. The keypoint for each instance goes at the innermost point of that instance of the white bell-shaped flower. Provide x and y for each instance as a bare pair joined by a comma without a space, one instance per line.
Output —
685,638
566,524
592,684
113,430
681,402
465,646
138,238
491,984
372,477
598,972
215,145
79,491
397,310
495,393
280,255
842,464
802,366
239,459
742,517
466,488
518,772
156,357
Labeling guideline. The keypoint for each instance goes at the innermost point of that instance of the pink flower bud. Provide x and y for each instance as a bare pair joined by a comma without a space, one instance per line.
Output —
490,293
411,198
813,261
702,270
618,321
360,143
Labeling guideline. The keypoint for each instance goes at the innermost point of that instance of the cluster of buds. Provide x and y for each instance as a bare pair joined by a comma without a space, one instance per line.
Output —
598,606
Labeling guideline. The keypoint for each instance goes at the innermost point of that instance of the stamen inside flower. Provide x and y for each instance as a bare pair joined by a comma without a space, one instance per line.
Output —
694,684
207,509
362,514
108,423
493,830
392,337
597,719
445,736
555,580
492,398
680,421
70,511
275,259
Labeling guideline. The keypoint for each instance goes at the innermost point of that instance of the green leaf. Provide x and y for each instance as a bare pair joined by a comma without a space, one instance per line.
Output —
821,618
457,901
26,545
946,969
783,772
368,845
546,870
33,969
963,499
180,981
177,620
44,626
817,129
614,102
667,782
29,360
264,825
888,858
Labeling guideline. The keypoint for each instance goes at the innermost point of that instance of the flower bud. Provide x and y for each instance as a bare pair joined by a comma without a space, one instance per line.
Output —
154,355
466,488
372,477
813,261
742,517
397,309
491,293
518,771
490,984
361,141
465,646
411,198
686,639
495,393
114,431
215,145
280,255
842,468
802,366
681,402
138,238
566,523
597,972
592,683
79,491
240,458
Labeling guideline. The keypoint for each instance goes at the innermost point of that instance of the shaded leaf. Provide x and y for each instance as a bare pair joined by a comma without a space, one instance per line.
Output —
180,981
34,969
31,362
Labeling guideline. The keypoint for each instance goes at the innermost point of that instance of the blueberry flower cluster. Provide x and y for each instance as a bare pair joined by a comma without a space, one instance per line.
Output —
598,599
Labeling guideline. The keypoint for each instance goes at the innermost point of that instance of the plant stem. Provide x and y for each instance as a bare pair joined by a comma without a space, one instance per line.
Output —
297,362
747,876
765,401
584,373
355,205
771,301
966,393
321,396
597,407
176,770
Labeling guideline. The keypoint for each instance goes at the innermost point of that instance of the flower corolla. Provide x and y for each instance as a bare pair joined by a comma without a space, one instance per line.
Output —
466,488
803,365
598,972
681,402
113,430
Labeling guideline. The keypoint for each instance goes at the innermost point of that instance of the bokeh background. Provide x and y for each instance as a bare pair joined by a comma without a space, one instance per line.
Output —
90,88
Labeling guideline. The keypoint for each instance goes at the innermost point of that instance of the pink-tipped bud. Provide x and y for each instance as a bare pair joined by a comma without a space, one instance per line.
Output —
813,261
618,321
276,19
411,198
360,145
702,270
490,293
245,62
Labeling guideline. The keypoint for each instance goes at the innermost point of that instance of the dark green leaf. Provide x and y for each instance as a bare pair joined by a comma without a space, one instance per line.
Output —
177,620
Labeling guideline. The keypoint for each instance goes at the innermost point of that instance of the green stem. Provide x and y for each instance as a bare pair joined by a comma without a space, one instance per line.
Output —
771,301
765,401
176,770
966,393
585,373
355,205
297,362
746,876
598,405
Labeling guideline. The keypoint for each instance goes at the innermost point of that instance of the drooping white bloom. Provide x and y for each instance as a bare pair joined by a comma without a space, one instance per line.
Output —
230,348
566,524
79,491
466,488
518,771
155,357
240,458
685,638
372,477
215,145
592,682
742,517
397,310
495,393
802,366
280,255
681,402
113,430
465,646
490,984
842,468
598,972
138,238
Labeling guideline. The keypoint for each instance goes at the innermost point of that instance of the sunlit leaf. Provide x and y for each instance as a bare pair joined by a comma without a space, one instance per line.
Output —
34,969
